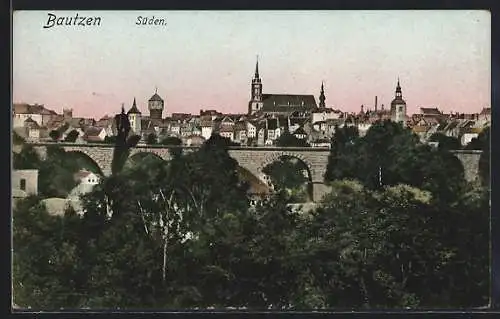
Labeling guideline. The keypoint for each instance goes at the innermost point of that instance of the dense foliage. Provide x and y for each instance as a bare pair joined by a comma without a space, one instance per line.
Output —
181,234
289,140
290,175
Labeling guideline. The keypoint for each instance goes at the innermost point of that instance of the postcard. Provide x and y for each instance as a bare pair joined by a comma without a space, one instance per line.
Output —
251,160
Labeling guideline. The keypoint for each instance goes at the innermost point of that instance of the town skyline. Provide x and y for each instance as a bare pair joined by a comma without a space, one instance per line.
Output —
442,59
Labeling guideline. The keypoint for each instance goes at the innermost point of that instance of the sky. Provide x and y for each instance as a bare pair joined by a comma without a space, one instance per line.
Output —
206,59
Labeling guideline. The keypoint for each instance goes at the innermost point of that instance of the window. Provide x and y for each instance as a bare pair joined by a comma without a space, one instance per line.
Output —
400,109
22,185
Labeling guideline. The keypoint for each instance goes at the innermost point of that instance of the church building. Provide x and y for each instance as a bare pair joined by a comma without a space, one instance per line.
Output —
277,104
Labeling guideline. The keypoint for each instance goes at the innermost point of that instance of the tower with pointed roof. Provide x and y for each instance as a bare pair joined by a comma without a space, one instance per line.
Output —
322,97
398,106
255,103
156,105
134,117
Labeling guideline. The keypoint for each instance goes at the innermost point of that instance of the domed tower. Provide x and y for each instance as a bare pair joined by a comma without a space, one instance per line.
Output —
156,106
398,107
134,117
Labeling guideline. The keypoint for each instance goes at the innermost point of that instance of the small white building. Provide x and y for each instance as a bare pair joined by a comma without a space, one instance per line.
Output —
24,182
324,115
251,130
467,137
87,177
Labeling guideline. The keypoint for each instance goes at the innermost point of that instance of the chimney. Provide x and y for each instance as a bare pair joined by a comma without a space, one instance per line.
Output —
375,103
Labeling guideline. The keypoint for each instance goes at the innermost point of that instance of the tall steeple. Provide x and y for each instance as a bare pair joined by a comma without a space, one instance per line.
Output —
255,103
398,90
322,96
257,68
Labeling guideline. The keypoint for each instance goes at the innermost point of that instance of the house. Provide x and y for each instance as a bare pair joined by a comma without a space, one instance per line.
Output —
431,114
273,130
196,130
227,131
32,129
261,135
94,134
300,133
185,130
240,132
468,136
24,183
175,128
206,127
87,177
180,117
325,114
363,128
251,129
227,121
88,180
321,143
452,129
38,113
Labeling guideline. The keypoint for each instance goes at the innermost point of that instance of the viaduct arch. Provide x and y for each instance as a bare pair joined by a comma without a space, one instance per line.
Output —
253,159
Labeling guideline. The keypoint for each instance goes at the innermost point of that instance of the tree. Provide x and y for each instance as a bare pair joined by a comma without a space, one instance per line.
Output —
72,136
448,143
288,174
27,158
151,138
390,154
56,173
45,258
55,135
17,139
110,140
289,140
341,159
171,140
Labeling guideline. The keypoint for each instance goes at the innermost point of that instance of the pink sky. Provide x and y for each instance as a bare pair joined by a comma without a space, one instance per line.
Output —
205,60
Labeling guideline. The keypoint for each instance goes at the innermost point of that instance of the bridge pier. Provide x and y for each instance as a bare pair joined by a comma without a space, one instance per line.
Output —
320,189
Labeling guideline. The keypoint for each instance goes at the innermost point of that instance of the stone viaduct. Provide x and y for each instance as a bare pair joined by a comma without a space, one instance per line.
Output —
254,159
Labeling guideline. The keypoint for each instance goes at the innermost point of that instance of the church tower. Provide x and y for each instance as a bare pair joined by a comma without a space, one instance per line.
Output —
156,106
255,103
134,117
398,107
322,97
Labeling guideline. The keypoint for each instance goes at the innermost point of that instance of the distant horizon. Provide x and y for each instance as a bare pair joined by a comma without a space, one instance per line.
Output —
442,58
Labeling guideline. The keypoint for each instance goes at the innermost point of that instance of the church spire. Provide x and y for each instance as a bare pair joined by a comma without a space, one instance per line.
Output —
257,68
322,96
398,90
